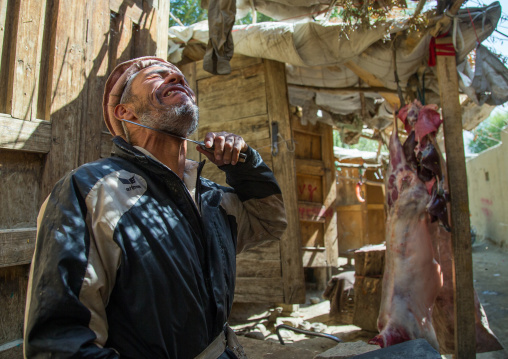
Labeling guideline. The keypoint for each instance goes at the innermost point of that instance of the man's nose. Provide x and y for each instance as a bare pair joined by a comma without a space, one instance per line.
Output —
174,78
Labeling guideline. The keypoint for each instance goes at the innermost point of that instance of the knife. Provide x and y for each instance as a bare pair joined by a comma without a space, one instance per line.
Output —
242,157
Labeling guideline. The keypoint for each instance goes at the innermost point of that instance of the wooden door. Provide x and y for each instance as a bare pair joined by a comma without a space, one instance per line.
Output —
54,60
316,189
248,102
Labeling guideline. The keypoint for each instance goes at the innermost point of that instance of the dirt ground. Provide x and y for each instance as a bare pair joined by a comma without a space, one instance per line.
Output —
490,271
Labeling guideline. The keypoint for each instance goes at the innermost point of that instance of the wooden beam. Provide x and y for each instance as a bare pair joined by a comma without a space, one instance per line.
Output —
310,167
67,89
106,144
284,170
344,90
162,29
329,196
261,290
465,339
372,80
96,49
16,246
28,136
24,64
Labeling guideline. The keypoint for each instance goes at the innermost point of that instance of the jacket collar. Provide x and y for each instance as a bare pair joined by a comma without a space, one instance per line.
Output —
132,153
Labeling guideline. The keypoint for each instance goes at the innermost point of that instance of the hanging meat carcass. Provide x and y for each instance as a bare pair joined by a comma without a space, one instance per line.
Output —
417,299
411,279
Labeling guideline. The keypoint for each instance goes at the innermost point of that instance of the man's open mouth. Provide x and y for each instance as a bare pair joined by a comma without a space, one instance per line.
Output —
171,90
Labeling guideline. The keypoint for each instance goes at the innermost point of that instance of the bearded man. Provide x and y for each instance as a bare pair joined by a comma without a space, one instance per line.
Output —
135,254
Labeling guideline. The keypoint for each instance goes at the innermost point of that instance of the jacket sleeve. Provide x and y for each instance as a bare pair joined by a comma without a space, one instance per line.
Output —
68,287
256,201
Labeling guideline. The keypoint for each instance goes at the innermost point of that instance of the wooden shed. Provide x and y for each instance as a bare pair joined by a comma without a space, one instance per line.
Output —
252,102
55,58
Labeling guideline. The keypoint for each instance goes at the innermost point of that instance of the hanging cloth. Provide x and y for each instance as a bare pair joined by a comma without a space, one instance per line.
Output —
220,47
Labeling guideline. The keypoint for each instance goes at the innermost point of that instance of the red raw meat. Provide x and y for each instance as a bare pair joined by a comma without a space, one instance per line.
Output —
412,277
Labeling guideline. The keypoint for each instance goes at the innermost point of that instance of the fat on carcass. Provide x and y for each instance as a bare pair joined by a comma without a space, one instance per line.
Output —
418,214
412,277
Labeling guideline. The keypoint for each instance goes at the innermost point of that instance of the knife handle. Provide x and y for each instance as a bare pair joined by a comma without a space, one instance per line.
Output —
241,158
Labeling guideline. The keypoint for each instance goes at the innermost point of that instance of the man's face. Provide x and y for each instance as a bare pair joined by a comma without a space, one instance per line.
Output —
165,101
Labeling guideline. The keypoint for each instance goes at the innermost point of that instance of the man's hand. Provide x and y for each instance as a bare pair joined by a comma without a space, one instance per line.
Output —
227,147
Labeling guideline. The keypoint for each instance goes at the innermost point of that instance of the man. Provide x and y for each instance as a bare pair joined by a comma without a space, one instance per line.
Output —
135,254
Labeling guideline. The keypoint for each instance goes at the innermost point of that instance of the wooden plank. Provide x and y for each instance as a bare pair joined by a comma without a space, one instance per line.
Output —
127,7
374,193
250,128
350,208
24,65
266,251
307,146
3,26
44,72
313,258
259,268
20,174
8,13
310,188
376,220
263,290
145,36
66,83
106,144
373,81
311,167
121,46
465,340
16,246
13,282
343,90
312,234
242,94
314,212
162,29
367,302
27,136
12,350
329,195
350,229
284,170
370,262
97,47
237,62
365,218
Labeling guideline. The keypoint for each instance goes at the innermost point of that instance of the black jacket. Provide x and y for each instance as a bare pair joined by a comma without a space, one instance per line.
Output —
128,263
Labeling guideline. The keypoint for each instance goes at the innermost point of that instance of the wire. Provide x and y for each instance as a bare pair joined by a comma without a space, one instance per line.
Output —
308,332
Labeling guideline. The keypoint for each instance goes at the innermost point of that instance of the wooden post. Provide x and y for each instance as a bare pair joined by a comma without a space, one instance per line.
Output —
284,169
465,340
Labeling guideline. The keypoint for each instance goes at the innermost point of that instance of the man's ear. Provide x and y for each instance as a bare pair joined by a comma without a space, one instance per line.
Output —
125,112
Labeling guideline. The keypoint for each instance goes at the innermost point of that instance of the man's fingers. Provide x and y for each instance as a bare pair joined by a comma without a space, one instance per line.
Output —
227,147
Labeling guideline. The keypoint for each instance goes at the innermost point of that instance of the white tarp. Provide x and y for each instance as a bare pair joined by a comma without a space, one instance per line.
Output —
317,54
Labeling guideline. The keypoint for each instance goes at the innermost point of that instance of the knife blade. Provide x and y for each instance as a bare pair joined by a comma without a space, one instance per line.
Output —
241,158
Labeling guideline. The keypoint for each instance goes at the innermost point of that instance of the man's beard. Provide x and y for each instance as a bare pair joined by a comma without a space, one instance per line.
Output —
181,120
